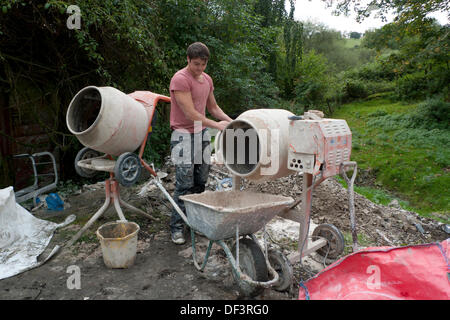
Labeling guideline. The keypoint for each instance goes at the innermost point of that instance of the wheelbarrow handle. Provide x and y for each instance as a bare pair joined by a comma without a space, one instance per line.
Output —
174,204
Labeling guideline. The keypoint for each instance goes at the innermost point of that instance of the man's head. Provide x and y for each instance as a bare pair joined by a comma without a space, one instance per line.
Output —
198,50
197,57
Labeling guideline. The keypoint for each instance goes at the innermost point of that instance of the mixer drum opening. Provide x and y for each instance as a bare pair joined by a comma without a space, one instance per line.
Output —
241,148
85,110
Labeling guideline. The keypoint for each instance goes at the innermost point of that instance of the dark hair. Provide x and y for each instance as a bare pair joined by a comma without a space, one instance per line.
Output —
198,50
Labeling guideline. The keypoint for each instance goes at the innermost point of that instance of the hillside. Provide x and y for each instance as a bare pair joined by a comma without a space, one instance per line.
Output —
408,161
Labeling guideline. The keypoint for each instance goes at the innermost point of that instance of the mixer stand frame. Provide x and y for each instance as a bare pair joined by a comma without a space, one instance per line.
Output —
111,192
303,215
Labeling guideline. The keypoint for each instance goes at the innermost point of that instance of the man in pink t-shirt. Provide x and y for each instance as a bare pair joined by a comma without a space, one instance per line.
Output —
192,93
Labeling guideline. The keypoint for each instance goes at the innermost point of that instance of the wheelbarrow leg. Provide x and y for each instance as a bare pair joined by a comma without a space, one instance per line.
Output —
194,252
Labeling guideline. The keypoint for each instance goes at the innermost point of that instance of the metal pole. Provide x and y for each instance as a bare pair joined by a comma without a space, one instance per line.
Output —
306,208
177,208
94,217
351,200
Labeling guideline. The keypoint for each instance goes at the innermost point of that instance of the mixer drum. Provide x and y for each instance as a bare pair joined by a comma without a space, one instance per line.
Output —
255,144
107,120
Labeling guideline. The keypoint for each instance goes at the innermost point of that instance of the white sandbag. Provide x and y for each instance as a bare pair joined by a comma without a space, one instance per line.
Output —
23,237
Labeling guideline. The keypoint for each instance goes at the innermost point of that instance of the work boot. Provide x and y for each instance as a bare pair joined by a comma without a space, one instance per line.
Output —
178,237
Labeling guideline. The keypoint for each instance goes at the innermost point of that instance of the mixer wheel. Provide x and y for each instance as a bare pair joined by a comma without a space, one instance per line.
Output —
335,240
84,154
127,169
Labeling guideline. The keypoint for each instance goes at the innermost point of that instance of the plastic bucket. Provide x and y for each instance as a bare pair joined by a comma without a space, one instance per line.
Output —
119,243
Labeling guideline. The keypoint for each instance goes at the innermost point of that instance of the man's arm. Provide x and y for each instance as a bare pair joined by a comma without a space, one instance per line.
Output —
214,109
184,101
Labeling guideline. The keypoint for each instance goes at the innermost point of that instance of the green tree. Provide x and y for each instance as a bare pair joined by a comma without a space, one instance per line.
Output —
312,84
131,45
406,11
331,44
355,35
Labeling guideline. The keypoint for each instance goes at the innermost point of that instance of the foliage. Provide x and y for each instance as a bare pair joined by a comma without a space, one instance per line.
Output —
373,71
411,86
355,35
418,85
312,81
284,62
433,113
273,12
407,11
355,89
333,46
406,158
132,45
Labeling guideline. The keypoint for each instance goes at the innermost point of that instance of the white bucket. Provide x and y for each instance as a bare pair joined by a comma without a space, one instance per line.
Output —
119,243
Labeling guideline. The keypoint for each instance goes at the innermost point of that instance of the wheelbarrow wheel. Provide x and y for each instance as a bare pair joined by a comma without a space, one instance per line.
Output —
127,169
282,266
84,154
335,241
253,263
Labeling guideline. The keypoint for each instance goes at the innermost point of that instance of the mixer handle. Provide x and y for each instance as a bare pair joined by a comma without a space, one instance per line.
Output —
293,118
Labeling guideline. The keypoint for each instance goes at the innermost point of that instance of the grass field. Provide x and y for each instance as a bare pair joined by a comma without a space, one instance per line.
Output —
411,164
351,43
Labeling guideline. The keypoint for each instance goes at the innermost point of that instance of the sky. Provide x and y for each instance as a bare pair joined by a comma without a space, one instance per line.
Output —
316,11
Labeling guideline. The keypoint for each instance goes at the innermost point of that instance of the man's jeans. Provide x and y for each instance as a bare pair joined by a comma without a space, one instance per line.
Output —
192,163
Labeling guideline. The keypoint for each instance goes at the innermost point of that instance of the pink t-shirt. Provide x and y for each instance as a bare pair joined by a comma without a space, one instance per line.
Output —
184,81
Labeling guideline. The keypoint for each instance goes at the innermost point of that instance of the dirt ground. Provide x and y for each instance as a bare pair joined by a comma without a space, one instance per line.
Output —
163,270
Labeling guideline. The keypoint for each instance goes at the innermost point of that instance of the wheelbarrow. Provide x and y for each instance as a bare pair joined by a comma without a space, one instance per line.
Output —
224,215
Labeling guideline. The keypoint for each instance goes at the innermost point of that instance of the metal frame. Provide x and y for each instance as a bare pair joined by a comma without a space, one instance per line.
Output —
303,216
111,192
235,261
33,191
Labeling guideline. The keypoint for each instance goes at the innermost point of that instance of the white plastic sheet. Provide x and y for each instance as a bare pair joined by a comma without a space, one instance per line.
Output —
23,237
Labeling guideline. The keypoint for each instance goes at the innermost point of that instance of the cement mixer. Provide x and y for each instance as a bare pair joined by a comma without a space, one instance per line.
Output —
106,120
112,125
263,145
266,144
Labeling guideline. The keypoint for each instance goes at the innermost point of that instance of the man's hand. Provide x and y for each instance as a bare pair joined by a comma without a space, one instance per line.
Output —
222,125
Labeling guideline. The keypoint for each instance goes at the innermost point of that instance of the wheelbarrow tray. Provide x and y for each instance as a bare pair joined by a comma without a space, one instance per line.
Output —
216,214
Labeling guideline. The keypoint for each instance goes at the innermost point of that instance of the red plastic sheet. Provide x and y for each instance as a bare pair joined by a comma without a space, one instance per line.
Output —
418,272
